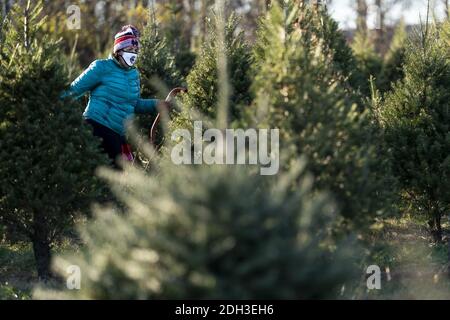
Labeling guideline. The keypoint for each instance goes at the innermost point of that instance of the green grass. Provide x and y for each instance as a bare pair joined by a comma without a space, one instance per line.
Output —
17,268
417,267
17,271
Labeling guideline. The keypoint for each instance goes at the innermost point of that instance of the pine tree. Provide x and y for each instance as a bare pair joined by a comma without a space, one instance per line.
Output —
156,63
216,232
416,119
2,32
307,101
156,60
369,63
202,81
395,58
178,33
47,153
2,23
318,26
445,32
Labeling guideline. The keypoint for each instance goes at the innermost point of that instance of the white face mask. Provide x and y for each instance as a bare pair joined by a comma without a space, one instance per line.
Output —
129,58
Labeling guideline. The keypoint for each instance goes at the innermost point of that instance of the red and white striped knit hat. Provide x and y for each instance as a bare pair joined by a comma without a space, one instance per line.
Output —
128,36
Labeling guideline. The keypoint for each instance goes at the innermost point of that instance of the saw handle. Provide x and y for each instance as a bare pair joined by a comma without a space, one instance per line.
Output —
169,97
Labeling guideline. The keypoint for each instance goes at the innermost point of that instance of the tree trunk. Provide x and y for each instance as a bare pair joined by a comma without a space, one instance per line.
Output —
203,16
362,12
448,248
446,9
42,257
41,247
436,227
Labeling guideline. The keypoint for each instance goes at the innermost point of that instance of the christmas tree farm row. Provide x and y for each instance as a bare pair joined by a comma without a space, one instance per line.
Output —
360,142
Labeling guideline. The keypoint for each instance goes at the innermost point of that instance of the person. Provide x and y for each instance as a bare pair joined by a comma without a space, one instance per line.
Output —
114,87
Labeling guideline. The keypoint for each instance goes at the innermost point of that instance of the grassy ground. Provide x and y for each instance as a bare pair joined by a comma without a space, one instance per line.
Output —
17,269
413,267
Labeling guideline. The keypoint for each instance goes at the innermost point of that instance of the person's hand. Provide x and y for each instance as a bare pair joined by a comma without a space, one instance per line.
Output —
164,105
167,104
175,92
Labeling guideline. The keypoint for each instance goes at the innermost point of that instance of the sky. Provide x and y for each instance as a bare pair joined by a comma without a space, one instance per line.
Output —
410,11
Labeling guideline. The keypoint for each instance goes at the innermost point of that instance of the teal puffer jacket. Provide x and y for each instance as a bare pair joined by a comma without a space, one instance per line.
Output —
114,94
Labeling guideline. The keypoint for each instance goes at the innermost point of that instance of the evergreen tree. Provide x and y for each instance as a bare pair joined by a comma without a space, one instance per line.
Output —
2,32
395,58
416,119
318,26
178,33
202,81
445,32
369,63
156,60
308,103
216,232
47,153
2,23
156,63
